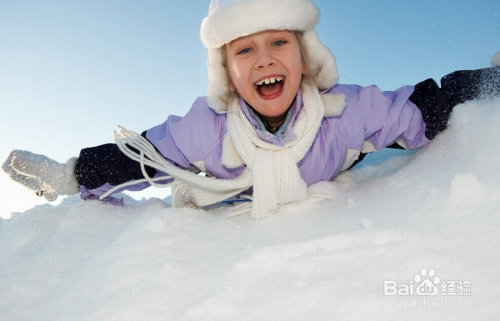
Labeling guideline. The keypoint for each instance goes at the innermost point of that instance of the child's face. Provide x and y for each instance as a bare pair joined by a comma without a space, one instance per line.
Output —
256,59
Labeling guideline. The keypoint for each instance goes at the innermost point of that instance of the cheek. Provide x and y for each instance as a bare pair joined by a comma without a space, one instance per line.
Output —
232,76
296,64
238,79
236,71
300,65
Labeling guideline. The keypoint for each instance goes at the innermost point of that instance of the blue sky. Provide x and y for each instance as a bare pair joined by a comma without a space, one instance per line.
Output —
70,71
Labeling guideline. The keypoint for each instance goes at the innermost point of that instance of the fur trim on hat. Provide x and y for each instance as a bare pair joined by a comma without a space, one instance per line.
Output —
218,93
321,63
226,22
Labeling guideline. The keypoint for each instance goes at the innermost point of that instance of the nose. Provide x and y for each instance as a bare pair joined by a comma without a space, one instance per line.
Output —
264,59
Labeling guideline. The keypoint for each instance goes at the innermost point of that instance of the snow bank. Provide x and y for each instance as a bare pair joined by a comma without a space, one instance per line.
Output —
392,216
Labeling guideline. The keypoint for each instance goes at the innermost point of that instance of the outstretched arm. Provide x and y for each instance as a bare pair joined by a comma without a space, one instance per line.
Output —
97,167
182,141
411,115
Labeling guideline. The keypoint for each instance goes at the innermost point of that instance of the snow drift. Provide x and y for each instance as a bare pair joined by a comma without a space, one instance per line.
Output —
397,215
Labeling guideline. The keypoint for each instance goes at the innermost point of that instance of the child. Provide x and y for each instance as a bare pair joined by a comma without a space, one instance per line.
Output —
274,121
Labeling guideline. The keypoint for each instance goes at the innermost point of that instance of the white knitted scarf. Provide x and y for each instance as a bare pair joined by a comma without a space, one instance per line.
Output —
276,176
272,170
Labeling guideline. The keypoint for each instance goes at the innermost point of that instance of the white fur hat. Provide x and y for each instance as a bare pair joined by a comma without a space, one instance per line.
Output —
231,19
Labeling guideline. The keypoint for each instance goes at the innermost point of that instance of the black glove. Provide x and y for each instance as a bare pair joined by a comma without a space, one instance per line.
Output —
436,104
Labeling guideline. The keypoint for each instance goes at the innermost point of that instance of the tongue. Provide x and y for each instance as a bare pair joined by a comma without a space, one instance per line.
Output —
270,89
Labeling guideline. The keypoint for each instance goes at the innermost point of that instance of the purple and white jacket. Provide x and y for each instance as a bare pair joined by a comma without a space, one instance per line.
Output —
410,117
370,121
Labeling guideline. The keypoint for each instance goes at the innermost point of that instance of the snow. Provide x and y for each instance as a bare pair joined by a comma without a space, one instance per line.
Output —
390,217
495,60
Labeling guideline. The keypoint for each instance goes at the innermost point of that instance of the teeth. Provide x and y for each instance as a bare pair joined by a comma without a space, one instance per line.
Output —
270,80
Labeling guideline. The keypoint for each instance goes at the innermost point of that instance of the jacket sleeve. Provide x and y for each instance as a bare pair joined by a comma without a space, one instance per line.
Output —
373,120
180,140
101,168
103,164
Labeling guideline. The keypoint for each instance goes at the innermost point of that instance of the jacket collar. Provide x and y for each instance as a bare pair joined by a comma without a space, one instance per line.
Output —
287,133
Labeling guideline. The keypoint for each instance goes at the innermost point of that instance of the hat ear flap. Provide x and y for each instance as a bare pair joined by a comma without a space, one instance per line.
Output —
321,63
218,93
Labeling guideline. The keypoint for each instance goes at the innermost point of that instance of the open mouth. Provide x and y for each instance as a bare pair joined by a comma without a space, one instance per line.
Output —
270,87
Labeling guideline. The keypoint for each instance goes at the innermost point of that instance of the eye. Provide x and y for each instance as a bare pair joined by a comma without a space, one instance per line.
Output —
279,43
244,51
